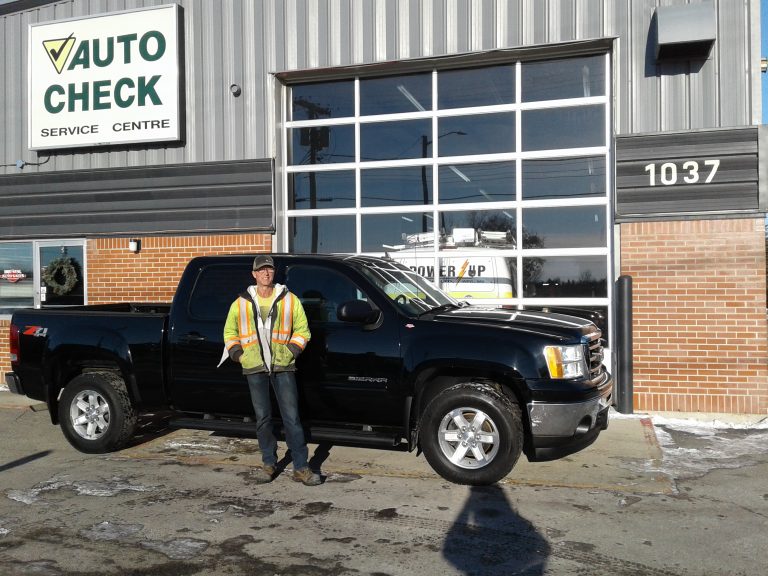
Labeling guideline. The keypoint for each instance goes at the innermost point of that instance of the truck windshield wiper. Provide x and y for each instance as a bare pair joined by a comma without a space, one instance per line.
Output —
441,308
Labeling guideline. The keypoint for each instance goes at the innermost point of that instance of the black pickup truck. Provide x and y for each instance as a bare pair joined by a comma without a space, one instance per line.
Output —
393,362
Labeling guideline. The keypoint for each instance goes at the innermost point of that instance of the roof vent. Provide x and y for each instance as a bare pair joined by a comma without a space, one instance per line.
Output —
685,32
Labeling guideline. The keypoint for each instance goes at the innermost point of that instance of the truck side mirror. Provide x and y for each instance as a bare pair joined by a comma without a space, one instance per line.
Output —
358,311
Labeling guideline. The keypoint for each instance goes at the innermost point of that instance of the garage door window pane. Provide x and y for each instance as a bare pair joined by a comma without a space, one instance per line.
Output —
323,100
567,227
572,127
490,182
322,145
476,87
381,232
486,228
563,177
476,134
396,94
484,275
331,190
565,277
570,78
322,234
390,186
395,140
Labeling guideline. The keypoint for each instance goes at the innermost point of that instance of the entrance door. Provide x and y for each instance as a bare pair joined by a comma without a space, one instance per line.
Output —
61,273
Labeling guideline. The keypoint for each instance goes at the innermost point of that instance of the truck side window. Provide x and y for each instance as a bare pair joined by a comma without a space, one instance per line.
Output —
321,291
216,288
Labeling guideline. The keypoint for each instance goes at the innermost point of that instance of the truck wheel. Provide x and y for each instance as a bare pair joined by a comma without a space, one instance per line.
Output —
96,413
472,434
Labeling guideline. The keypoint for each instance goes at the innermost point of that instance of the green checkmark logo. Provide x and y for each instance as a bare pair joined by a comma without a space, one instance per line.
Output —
58,50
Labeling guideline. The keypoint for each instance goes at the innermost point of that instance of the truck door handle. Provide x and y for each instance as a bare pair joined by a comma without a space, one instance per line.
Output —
192,338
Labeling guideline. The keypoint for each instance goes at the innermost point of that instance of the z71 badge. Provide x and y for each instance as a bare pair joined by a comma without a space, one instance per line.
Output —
35,331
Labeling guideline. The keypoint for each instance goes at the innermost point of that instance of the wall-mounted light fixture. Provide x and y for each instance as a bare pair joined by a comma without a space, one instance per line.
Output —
134,245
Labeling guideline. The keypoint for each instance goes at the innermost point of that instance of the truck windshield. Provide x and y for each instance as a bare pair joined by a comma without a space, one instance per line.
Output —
413,293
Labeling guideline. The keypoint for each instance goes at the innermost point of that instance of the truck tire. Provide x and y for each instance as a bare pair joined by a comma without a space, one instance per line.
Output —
472,434
96,414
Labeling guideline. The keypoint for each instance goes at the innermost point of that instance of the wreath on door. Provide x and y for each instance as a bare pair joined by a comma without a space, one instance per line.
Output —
60,275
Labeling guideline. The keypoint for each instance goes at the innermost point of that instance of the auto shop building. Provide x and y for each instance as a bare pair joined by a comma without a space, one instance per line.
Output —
518,152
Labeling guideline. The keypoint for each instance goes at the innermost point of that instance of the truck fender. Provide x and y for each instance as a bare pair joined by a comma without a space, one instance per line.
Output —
433,377
87,350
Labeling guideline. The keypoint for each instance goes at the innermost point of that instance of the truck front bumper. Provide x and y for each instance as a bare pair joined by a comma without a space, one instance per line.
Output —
559,429
14,383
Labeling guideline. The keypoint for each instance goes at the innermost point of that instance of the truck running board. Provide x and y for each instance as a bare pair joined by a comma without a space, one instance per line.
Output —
315,434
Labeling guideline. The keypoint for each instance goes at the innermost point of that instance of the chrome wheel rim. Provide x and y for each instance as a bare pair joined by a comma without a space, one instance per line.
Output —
468,438
89,414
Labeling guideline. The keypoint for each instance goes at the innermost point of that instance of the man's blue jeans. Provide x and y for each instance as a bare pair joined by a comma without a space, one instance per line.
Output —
284,384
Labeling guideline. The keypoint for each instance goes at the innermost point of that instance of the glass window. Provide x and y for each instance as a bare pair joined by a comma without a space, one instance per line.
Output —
322,234
410,291
569,78
321,291
476,134
215,290
61,273
481,187
476,87
564,227
331,189
380,232
487,228
490,182
323,100
572,127
406,185
564,177
322,145
17,284
565,276
395,140
396,94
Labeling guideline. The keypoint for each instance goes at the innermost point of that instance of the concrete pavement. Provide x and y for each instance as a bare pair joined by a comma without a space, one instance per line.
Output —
622,459
626,457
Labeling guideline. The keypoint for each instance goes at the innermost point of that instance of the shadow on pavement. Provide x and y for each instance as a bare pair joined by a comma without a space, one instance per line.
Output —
150,427
490,537
25,460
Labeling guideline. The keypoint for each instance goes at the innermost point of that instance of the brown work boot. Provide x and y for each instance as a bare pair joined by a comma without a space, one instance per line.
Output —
306,477
263,475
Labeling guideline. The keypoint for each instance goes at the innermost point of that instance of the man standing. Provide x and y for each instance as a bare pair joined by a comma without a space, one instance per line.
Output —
265,331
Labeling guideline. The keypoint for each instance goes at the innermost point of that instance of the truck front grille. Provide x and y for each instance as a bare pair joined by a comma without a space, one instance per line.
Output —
595,347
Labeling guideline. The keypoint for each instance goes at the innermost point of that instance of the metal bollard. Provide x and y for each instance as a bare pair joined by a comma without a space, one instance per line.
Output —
624,345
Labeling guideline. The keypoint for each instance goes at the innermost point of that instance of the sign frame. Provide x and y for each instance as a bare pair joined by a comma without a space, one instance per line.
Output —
148,54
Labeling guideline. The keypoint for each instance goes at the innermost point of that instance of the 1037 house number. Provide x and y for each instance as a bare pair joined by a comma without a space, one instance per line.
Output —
690,172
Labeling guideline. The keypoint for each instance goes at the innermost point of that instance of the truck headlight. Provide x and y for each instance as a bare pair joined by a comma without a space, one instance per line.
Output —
565,361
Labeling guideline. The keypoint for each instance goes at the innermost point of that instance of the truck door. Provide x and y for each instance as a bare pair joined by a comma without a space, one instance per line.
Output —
196,341
347,373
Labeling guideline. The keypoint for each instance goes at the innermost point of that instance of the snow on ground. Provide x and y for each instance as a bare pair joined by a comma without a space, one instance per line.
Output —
692,447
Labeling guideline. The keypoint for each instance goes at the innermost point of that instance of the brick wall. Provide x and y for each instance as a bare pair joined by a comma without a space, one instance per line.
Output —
115,274
699,321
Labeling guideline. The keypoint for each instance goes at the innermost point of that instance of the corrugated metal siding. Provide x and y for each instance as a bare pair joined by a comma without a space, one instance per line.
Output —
243,41
213,197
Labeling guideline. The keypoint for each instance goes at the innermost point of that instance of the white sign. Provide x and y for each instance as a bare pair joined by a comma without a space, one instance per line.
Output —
105,79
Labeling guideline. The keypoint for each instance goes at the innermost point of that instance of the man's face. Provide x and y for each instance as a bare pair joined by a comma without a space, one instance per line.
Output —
264,276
